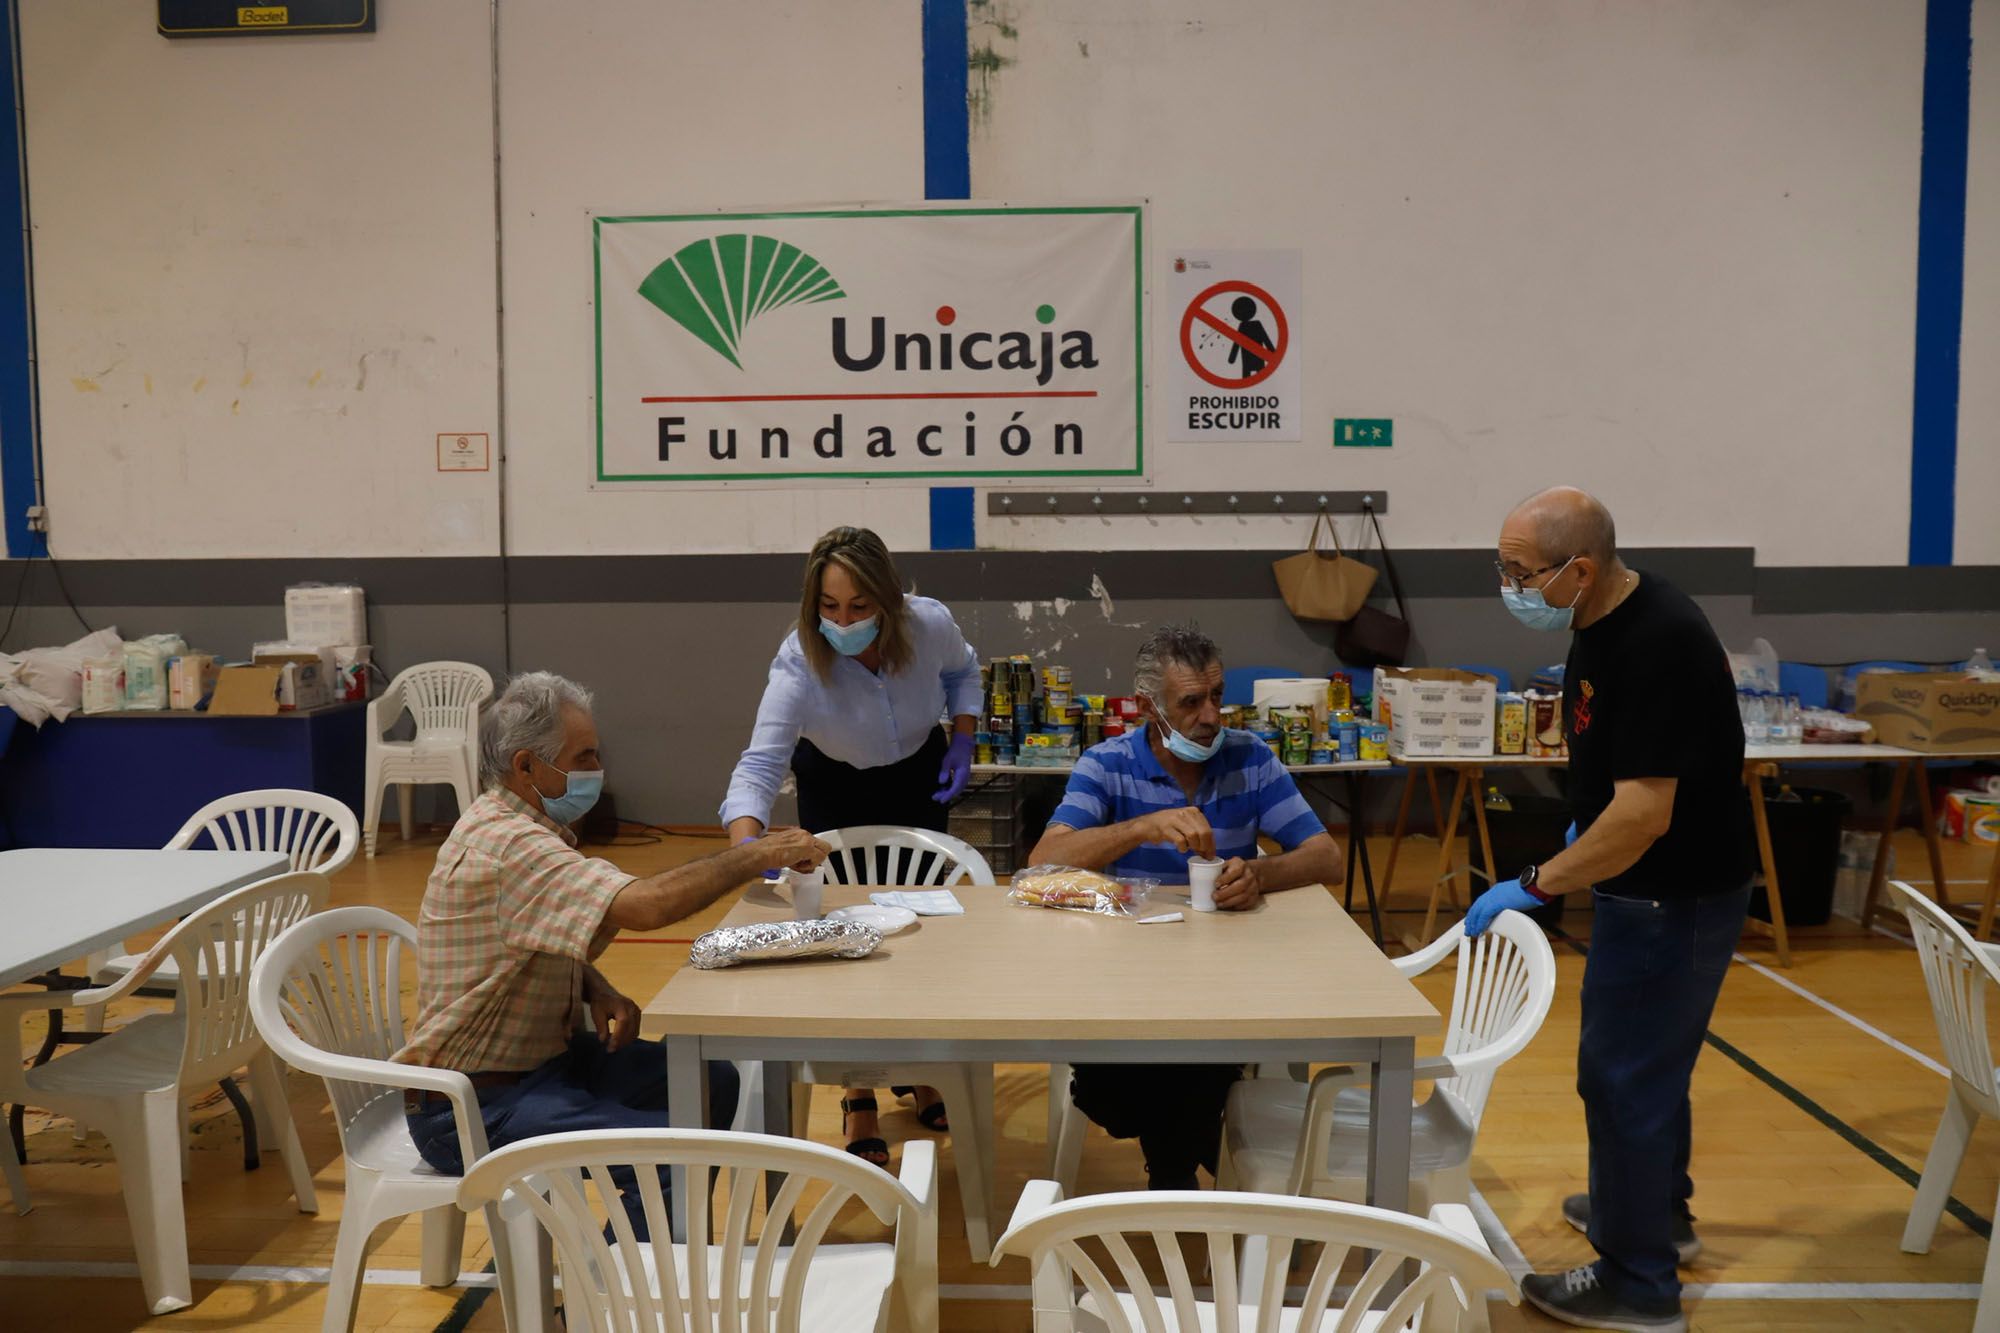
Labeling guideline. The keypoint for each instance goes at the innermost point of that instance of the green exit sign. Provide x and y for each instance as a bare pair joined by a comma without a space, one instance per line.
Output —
1363,432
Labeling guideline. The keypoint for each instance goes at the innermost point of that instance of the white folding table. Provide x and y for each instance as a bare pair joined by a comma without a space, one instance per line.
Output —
65,902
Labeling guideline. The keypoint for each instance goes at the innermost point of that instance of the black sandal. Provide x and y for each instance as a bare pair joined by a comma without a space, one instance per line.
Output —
874,1151
933,1117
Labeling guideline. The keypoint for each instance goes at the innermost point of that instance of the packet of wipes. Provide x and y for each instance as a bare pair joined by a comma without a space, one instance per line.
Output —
925,902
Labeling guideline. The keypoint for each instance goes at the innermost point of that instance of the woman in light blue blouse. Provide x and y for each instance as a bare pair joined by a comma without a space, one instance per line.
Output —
852,708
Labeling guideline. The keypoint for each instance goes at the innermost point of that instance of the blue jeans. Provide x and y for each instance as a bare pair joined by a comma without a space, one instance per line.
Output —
1649,988
586,1087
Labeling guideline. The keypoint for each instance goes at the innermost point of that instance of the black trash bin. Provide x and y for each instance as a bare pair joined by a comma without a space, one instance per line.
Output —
1805,847
1529,833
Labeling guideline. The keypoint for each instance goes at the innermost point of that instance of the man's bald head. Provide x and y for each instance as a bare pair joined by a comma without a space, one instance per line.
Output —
1563,522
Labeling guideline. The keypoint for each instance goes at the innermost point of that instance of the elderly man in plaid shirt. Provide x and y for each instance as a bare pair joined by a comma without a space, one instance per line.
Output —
513,916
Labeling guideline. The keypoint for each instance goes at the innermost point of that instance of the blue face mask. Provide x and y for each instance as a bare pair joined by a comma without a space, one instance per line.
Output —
847,640
584,787
1180,747
1533,610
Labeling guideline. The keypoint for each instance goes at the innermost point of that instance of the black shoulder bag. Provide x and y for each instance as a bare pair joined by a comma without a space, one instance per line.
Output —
1374,637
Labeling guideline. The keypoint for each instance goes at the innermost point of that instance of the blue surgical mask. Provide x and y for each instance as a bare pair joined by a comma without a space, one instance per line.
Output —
581,793
1533,610
1180,747
848,640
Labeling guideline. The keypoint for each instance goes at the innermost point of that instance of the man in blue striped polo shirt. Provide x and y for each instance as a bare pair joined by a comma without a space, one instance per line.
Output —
1141,804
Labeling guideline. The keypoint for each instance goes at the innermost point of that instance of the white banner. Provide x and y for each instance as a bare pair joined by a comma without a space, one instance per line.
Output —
915,343
1234,367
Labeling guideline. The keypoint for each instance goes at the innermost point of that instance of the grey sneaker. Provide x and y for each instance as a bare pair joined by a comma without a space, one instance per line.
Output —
1577,1298
1576,1212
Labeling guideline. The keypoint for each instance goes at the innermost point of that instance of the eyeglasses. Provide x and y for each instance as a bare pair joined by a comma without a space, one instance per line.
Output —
1515,582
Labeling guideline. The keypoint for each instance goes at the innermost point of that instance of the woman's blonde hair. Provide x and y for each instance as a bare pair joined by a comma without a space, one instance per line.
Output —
861,553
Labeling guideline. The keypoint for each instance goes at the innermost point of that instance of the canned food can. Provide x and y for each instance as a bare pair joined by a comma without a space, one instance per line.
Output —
982,752
1058,696
1322,754
1113,727
1374,741
1349,746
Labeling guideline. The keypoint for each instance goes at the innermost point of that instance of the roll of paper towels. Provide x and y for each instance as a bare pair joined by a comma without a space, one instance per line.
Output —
1292,692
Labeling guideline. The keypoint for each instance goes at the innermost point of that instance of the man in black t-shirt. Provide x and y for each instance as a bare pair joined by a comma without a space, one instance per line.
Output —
1663,834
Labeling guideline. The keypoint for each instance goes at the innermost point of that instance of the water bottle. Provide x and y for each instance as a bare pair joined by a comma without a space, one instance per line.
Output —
1795,721
1980,662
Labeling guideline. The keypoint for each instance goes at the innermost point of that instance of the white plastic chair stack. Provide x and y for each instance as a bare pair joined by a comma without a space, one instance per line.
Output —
135,1081
723,1277
443,699
1281,1137
327,999
1957,973
882,854
1116,1244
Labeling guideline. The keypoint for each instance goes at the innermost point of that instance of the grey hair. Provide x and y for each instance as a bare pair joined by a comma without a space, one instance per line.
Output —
1171,645
528,715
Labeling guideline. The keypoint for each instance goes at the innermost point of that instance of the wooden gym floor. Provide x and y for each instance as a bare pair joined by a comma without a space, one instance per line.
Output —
1814,1107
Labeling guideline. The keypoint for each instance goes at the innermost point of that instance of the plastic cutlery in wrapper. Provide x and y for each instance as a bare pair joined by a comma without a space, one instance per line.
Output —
924,902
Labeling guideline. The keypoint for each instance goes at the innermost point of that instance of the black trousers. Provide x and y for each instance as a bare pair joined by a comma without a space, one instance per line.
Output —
1175,1111
833,795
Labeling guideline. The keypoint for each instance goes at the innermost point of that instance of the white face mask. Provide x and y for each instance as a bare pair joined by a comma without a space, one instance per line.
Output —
1533,610
1179,746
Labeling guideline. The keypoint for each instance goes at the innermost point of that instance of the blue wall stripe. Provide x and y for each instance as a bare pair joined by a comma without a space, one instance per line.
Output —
17,389
947,175
947,122
1940,279
951,518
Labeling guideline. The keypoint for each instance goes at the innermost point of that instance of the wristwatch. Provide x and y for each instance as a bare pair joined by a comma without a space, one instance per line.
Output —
1530,875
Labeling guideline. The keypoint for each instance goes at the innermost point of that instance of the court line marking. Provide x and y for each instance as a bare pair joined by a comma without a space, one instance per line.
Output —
1851,1019
966,1291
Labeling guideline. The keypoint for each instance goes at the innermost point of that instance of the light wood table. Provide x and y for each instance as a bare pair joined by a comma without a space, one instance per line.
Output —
1759,761
1293,981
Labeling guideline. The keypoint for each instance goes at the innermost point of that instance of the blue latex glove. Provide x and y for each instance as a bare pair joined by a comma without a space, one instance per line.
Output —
1507,894
768,874
956,770
1569,834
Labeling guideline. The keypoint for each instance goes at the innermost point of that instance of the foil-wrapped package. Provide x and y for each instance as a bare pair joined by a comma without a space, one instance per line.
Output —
726,946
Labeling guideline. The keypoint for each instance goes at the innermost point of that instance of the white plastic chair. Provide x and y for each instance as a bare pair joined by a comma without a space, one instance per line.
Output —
1957,971
327,998
317,832
134,1082
884,854
722,1277
1063,1241
444,699
1280,1137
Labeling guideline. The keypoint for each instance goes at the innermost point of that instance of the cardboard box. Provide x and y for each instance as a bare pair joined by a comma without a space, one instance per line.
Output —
190,679
1933,712
246,691
1436,711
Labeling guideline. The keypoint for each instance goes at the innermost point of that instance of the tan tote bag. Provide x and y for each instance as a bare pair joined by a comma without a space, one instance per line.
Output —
1321,586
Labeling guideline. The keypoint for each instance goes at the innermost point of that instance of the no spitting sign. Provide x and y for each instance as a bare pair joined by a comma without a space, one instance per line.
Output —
1235,365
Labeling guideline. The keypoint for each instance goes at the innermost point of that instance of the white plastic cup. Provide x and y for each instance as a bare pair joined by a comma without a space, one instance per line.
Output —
1202,874
805,886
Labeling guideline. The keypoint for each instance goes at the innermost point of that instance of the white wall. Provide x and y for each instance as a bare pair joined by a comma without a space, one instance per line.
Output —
1977,536
1667,252
632,106
263,283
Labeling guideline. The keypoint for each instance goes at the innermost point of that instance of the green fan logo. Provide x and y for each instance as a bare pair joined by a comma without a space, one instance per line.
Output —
714,288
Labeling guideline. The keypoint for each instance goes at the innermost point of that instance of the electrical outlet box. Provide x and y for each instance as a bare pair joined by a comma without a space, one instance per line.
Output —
38,518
